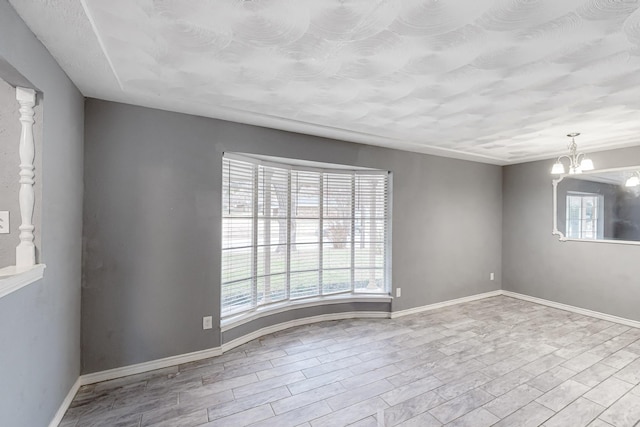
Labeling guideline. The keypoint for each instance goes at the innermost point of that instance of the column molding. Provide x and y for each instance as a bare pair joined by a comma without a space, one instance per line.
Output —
26,250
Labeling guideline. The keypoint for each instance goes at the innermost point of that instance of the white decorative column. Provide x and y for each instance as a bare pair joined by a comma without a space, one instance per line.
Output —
26,250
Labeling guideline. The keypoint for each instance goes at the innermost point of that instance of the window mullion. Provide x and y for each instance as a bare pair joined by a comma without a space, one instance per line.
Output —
254,239
582,216
353,230
387,235
321,233
288,245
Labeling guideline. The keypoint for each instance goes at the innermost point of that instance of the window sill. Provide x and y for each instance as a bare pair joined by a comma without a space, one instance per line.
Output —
242,318
13,278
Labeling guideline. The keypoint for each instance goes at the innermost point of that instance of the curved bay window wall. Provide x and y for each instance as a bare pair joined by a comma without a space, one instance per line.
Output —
292,232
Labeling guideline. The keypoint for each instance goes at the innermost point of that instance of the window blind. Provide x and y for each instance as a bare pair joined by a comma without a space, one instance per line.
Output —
290,232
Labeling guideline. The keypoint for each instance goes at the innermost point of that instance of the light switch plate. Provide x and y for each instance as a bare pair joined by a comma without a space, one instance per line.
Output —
4,222
207,322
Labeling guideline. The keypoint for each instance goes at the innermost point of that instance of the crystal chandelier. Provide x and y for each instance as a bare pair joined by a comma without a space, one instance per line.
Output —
577,161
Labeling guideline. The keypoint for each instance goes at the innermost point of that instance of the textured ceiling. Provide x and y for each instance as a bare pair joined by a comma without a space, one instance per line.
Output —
500,81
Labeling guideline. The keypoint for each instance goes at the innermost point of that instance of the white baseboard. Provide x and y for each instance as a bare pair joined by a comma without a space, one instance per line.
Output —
303,321
65,404
574,309
276,308
217,351
415,310
152,365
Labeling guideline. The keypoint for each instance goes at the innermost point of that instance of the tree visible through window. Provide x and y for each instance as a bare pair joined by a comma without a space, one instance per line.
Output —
290,233
584,214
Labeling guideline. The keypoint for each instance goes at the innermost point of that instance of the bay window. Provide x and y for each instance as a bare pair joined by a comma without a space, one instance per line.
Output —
292,232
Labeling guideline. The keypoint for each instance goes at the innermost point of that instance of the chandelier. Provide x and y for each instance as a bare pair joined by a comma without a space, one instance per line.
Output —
577,161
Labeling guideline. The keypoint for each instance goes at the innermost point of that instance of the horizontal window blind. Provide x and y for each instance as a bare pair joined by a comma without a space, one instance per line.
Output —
238,240
291,233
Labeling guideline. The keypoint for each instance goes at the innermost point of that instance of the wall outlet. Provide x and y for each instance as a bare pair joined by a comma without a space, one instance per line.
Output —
398,292
4,222
492,276
207,322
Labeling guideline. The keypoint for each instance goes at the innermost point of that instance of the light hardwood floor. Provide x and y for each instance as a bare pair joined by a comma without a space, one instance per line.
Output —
497,361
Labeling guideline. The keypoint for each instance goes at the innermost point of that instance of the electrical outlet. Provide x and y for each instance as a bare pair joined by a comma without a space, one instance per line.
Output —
492,276
207,322
398,292
4,222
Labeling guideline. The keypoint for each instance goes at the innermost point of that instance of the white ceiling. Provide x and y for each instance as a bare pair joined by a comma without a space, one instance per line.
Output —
499,81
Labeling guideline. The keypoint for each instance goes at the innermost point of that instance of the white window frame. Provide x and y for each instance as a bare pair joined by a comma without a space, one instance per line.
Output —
235,318
598,221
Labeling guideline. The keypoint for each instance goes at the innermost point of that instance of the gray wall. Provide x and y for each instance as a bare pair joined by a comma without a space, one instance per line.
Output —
9,160
152,218
597,276
40,324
